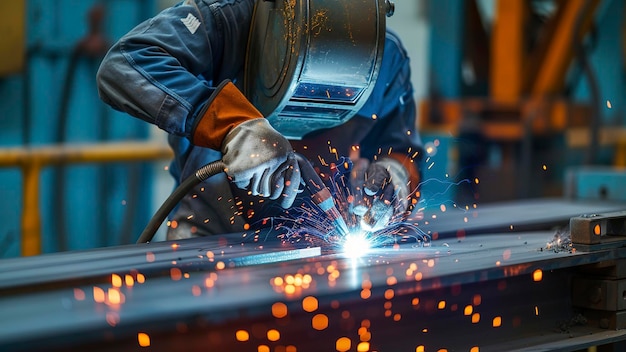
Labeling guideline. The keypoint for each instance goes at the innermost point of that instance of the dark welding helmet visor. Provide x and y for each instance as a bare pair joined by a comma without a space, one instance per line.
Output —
312,64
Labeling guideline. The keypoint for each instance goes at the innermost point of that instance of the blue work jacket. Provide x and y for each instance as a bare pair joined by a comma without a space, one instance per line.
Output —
165,69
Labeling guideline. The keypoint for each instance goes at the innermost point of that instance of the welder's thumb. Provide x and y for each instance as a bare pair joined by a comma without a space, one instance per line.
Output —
257,157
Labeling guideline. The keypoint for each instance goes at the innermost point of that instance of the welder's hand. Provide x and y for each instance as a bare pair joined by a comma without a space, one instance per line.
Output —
261,160
381,193
257,157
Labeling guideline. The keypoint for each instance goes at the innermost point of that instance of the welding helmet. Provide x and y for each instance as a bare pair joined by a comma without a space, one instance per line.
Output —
312,64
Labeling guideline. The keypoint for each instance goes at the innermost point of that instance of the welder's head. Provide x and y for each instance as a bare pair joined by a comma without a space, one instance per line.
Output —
312,64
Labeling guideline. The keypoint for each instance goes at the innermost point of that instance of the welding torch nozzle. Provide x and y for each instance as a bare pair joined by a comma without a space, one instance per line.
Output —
324,200
321,195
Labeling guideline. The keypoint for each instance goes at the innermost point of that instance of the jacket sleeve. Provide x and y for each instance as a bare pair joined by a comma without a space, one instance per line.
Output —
163,70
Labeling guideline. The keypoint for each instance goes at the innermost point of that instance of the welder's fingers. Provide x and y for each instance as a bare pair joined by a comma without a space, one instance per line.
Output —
292,180
387,193
253,184
245,180
277,180
277,183
242,183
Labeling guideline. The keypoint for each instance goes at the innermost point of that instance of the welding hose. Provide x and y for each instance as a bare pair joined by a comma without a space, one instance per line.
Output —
313,183
187,185
200,175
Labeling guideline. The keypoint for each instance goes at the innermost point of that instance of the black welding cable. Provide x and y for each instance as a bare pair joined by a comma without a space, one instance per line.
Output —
187,185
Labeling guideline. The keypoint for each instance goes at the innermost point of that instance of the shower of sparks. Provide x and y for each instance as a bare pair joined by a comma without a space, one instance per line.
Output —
356,245
309,224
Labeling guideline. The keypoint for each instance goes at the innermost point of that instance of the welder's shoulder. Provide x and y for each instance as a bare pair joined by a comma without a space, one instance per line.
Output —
393,86
394,46
231,17
216,4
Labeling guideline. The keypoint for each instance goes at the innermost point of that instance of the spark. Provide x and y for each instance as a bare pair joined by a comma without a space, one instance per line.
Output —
79,294
242,335
310,304
431,149
279,310
356,245
319,322
143,339
497,322
537,275
273,335
305,223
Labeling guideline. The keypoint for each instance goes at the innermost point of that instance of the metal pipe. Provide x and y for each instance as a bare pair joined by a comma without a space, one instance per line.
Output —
84,153
31,160
187,185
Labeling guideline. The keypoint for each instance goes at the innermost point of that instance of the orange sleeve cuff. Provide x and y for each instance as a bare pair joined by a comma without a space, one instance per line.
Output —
226,108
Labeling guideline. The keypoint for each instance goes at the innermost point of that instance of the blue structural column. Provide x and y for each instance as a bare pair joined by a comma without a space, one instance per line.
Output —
446,19
11,133
446,22
608,61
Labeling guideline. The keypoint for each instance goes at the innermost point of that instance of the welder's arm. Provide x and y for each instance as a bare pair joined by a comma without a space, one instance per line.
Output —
166,68
386,191
257,157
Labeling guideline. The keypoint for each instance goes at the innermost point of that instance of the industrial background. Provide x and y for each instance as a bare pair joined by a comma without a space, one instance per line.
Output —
520,244
516,99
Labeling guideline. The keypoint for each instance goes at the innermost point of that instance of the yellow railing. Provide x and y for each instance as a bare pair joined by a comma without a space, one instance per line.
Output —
31,160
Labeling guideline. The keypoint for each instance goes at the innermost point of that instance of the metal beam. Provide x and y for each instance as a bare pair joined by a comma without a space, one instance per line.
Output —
498,292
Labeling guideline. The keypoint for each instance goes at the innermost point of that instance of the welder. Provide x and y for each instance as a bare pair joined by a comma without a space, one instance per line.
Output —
183,70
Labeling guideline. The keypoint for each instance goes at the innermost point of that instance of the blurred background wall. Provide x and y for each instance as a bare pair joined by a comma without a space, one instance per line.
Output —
512,95
49,97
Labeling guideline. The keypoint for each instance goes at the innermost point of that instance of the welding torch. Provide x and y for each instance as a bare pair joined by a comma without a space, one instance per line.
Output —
320,195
